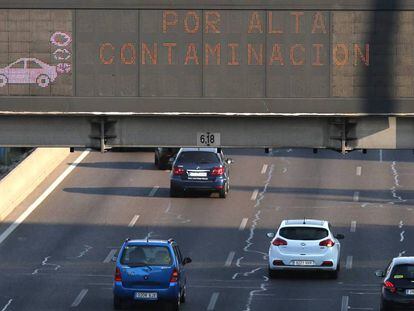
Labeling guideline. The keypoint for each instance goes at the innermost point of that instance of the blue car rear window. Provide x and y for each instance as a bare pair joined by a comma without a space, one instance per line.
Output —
197,157
146,255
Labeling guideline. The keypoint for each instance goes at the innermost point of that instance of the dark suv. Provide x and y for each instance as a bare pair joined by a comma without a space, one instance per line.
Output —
162,156
398,286
203,169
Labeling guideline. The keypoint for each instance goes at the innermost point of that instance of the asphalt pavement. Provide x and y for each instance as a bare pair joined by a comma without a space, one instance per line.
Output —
58,258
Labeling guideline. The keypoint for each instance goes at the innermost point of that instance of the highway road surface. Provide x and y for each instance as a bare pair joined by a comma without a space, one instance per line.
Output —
58,258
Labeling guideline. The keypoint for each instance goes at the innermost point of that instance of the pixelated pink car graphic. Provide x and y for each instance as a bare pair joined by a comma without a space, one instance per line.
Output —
28,71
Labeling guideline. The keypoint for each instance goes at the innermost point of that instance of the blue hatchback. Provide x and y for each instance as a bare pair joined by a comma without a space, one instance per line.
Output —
150,271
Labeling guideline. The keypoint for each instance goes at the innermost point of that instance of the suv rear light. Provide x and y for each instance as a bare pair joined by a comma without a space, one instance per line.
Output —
327,263
118,275
174,276
217,171
327,243
278,263
390,286
279,242
178,170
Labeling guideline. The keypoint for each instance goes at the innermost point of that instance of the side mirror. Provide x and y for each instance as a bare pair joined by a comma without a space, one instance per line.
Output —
229,161
171,160
113,259
380,273
271,235
186,260
339,236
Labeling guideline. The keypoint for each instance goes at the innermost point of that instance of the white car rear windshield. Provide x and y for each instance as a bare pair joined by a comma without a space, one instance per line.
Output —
303,233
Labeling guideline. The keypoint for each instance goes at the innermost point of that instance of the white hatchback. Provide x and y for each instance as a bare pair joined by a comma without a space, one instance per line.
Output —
305,244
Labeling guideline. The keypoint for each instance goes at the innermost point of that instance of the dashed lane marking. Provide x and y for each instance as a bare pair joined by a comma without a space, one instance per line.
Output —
213,300
264,169
133,221
359,171
254,195
345,303
42,197
79,298
153,191
353,226
349,261
243,224
229,259
356,196
111,255
7,305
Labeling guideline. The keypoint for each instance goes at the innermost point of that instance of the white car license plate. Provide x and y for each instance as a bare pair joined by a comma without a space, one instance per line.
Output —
302,262
149,296
409,291
197,174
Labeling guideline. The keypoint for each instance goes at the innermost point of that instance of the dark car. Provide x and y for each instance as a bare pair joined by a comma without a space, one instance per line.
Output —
398,286
162,157
202,169
150,271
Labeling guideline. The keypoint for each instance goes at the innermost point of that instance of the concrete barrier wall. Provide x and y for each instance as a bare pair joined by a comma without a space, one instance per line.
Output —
21,181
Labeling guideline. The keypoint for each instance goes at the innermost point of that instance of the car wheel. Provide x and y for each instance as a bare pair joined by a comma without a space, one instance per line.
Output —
384,307
43,81
334,274
175,193
183,296
174,305
223,192
118,303
273,274
3,80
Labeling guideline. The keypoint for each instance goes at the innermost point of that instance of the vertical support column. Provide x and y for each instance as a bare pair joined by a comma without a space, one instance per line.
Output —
102,138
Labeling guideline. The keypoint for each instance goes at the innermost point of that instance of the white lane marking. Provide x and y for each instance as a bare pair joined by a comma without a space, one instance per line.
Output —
213,301
356,196
229,259
42,197
53,267
359,171
111,255
79,298
7,305
243,224
353,226
349,260
395,173
153,191
133,221
401,253
401,224
402,236
380,155
264,169
254,195
85,251
345,303
285,170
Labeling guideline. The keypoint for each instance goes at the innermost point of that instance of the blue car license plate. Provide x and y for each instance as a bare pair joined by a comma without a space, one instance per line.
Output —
146,296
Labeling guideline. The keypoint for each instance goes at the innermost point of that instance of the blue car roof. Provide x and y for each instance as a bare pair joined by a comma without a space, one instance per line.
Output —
148,242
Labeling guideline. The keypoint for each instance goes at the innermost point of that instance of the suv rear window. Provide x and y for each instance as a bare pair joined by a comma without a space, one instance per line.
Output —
303,233
403,272
146,255
197,157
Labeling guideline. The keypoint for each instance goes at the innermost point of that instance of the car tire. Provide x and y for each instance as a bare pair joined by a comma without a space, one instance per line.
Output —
333,274
223,192
273,274
183,297
174,305
118,303
3,80
175,193
43,81
384,307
